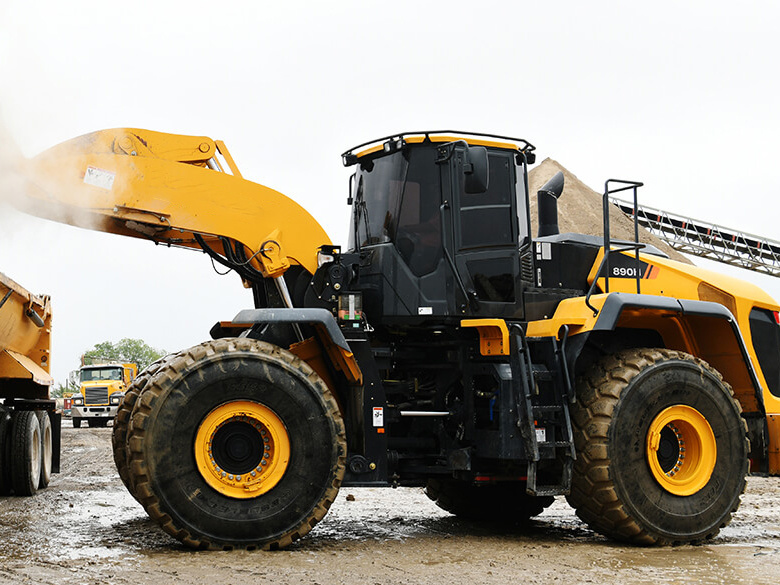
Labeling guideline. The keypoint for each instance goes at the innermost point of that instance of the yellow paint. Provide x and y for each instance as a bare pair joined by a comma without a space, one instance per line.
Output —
223,150
158,186
24,347
128,373
493,335
709,340
311,352
572,312
342,359
697,450
442,138
267,471
681,281
15,365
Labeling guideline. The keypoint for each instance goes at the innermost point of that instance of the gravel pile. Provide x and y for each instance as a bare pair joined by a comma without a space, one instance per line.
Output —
579,209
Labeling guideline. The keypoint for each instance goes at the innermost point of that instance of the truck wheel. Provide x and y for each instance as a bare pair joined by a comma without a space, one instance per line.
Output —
122,419
662,448
46,447
76,422
25,453
236,443
506,501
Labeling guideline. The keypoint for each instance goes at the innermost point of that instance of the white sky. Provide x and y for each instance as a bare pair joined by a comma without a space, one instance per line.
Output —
680,95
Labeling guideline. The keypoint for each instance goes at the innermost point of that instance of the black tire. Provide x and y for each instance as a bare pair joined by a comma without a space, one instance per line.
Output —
6,485
25,453
164,431
122,420
76,422
47,449
615,489
500,502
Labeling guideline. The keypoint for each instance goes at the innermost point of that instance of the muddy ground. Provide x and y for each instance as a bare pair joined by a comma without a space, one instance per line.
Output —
85,528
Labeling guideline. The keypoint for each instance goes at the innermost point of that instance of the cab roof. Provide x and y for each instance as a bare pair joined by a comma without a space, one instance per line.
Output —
396,142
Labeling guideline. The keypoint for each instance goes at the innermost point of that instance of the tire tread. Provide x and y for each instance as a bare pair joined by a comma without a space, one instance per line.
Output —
173,367
593,493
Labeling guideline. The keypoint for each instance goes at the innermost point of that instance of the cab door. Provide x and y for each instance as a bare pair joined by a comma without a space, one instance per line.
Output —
486,238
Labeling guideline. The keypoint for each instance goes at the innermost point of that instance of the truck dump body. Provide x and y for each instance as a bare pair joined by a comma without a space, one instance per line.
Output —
25,328
29,423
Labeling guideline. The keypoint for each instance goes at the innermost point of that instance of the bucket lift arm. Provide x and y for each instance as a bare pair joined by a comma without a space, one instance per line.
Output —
172,189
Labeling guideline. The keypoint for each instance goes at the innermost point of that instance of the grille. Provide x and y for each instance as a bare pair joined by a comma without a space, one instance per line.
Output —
527,266
96,395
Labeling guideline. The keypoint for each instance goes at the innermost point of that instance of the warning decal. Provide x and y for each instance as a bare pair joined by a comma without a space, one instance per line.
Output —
99,178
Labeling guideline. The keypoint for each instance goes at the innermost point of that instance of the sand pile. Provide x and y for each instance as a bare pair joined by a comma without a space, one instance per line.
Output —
579,209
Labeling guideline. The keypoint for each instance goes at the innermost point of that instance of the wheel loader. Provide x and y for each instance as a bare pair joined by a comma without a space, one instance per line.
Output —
445,346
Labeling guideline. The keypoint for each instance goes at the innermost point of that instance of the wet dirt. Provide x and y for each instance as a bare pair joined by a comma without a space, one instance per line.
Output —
85,528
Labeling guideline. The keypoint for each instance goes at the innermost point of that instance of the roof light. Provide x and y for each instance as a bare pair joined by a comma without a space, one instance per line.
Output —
393,145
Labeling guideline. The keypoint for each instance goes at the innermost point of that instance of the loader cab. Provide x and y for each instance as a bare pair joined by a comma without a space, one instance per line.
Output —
440,223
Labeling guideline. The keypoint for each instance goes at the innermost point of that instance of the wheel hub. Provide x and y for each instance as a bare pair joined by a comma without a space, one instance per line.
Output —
242,449
681,450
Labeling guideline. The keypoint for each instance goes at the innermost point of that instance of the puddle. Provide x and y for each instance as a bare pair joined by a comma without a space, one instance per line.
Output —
86,528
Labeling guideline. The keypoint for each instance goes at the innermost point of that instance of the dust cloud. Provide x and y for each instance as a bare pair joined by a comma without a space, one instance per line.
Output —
12,189
11,178
43,187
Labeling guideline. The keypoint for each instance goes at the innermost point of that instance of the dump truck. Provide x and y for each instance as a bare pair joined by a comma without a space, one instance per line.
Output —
444,346
102,387
29,420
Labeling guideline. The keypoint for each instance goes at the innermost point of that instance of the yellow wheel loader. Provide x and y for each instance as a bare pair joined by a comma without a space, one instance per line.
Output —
29,420
444,346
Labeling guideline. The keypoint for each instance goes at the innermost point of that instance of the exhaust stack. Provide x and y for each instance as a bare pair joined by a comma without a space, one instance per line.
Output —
547,198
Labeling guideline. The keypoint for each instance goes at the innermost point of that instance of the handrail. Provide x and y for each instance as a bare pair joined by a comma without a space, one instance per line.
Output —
636,246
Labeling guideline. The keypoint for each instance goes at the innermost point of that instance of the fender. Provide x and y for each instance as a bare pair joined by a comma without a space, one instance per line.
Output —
704,329
328,332
321,317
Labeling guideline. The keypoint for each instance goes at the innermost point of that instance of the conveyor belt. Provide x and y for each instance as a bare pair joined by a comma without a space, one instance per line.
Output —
707,240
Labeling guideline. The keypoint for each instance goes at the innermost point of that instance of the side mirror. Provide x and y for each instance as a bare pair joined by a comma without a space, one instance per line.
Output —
476,169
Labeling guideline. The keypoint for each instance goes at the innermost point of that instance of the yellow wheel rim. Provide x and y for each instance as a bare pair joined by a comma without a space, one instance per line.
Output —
681,450
242,449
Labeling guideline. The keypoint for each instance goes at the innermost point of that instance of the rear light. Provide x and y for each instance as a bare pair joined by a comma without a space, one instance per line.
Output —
777,316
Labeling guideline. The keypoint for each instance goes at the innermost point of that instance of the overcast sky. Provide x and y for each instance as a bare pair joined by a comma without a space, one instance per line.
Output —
680,95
